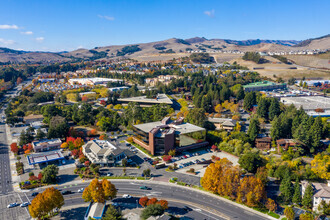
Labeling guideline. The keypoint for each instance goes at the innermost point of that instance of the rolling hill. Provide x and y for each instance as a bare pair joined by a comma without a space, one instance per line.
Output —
164,50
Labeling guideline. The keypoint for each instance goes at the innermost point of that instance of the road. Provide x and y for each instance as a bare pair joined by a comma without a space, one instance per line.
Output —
202,204
5,175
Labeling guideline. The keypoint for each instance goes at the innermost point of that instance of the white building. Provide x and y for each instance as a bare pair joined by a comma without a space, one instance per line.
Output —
92,81
321,192
102,152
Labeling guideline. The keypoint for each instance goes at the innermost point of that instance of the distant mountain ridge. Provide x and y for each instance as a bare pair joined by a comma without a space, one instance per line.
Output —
155,50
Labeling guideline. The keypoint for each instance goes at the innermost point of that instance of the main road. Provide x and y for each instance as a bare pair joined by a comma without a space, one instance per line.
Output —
209,205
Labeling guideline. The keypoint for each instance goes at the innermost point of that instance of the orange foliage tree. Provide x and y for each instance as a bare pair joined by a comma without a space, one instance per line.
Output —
14,148
152,201
143,201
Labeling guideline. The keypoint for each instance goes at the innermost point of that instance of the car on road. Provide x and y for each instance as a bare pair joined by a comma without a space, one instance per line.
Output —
12,205
187,208
80,190
144,187
25,204
67,192
34,194
109,174
127,196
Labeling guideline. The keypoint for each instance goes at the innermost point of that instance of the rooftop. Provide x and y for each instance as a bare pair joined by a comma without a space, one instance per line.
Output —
308,103
263,83
183,128
45,157
47,141
161,98
96,210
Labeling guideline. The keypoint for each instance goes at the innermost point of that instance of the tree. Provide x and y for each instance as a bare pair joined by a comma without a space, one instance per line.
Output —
275,131
147,173
49,174
254,129
58,127
112,213
152,201
172,152
250,161
271,205
324,208
196,116
64,145
297,194
99,191
306,216
289,213
40,134
307,200
152,210
286,187
14,148
163,203
249,101
274,108
262,109
109,189
218,108
143,201
46,202
316,130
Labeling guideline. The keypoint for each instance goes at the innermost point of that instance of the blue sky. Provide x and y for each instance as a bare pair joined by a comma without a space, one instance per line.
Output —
57,25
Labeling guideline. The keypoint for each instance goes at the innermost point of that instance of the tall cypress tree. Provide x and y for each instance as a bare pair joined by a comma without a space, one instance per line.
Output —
297,194
316,133
286,187
274,108
254,129
307,200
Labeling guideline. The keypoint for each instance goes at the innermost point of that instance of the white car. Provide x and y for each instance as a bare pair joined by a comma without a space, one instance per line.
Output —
80,190
11,205
127,196
25,204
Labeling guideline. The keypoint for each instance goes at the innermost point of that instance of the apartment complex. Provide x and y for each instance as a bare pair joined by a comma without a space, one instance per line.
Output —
162,136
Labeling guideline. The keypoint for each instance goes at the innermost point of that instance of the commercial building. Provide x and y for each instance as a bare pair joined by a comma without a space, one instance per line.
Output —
95,211
144,101
103,153
46,144
321,193
308,103
162,136
223,123
92,81
45,157
263,86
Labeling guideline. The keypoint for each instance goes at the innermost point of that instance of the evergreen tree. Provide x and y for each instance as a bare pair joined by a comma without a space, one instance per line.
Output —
275,131
274,108
297,194
286,187
307,200
262,109
240,93
254,129
249,101
316,133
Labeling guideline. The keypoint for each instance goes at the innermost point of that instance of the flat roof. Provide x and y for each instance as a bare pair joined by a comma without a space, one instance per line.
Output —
262,83
96,210
161,98
45,157
308,102
183,128
47,141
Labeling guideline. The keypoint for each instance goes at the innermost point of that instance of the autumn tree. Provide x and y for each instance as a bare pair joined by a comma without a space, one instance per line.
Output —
306,216
46,203
14,148
289,213
152,201
143,201
163,203
99,191
218,108
320,165
271,205
251,191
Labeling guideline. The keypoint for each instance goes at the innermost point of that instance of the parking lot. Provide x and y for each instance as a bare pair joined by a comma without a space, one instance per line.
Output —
15,212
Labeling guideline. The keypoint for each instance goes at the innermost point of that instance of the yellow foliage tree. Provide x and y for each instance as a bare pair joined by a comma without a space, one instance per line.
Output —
64,145
99,191
320,165
218,108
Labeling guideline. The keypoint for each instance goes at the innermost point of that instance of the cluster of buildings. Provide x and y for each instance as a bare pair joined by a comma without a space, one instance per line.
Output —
92,81
164,79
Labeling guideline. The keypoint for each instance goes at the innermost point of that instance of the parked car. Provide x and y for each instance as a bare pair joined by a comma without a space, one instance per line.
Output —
34,194
67,192
80,190
12,205
127,196
109,174
25,204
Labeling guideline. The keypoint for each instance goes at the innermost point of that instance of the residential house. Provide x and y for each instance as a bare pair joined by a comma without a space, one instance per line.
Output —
264,143
33,118
321,192
284,144
223,123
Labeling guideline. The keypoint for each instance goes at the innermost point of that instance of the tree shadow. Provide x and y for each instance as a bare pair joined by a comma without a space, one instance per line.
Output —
73,214
66,178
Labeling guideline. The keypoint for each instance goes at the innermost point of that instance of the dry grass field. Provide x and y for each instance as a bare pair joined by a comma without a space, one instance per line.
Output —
316,61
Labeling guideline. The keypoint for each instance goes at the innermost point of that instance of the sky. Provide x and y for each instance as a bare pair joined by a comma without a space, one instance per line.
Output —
65,25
